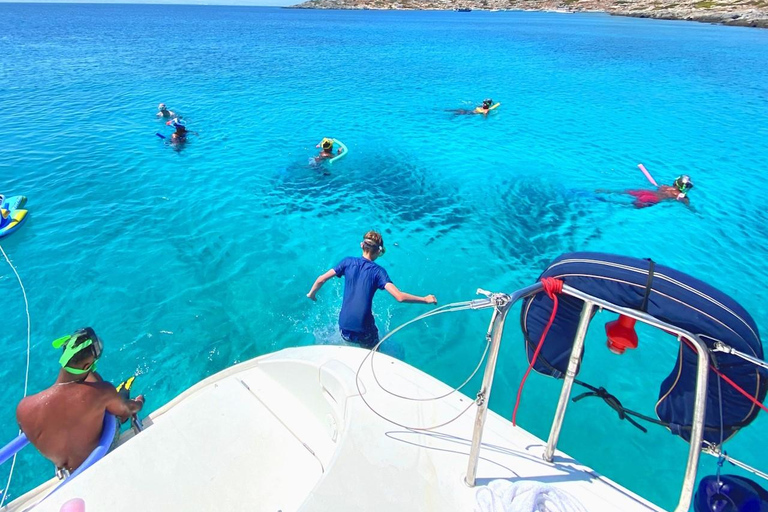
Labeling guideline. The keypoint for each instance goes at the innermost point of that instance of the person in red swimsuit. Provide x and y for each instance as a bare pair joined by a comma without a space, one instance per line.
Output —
678,191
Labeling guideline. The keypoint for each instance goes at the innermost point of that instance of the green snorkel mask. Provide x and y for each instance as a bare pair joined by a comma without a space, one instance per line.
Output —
684,184
74,344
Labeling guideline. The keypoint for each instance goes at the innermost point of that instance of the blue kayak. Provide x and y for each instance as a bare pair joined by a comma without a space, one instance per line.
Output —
12,214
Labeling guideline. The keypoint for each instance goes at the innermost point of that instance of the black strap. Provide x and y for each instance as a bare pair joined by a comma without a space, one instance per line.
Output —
625,413
648,285
613,403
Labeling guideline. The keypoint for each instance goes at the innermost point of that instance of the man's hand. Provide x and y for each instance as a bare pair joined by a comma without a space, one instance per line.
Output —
430,299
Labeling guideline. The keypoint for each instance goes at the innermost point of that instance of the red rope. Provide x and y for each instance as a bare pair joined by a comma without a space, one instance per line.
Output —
552,287
730,382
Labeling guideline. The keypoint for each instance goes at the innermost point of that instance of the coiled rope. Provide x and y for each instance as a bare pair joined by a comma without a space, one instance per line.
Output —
26,372
448,308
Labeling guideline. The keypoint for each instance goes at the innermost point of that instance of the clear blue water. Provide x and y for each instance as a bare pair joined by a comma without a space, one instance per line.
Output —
218,243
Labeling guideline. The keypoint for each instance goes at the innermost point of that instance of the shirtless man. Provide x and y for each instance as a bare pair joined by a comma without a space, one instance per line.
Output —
162,111
64,422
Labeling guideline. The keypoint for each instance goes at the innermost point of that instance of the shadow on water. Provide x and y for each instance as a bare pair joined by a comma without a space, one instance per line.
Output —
531,221
397,190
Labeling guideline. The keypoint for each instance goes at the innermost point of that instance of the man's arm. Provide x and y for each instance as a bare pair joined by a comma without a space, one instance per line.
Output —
120,406
319,282
407,297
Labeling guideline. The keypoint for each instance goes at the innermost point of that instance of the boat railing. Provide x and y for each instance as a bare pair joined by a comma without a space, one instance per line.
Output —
502,303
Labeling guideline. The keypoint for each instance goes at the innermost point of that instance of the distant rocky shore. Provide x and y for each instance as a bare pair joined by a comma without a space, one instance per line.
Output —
747,13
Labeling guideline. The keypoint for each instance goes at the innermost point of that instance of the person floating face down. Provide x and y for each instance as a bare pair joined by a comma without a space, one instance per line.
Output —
363,278
326,150
64,422
678,191
162,111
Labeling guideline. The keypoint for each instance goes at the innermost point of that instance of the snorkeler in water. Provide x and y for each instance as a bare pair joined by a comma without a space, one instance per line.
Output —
326,150
486,107
162,111
180,135
678,191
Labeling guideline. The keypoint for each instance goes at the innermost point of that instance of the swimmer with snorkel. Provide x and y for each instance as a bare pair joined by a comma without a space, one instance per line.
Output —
181,133
326,150
678,191
483,109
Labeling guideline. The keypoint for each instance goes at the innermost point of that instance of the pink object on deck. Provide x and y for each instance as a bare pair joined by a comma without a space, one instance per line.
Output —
74,505
648,175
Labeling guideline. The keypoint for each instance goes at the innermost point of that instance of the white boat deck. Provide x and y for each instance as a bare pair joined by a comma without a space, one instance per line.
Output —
289,432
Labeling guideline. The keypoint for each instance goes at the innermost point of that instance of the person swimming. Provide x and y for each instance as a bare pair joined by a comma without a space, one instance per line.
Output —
678,191
326,150
180,135
164,112
485,107
482,109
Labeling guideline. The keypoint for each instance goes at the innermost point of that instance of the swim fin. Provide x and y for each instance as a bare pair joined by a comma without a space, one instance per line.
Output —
124,388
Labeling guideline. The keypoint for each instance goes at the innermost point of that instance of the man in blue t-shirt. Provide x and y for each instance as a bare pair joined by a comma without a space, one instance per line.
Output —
363,278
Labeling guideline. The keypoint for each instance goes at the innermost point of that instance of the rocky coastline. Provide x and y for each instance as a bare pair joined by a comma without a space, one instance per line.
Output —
746,13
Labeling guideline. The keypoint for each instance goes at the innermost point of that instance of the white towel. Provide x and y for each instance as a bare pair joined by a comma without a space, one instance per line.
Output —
524,496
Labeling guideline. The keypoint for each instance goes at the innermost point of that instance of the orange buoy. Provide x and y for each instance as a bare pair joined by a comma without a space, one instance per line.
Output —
621,334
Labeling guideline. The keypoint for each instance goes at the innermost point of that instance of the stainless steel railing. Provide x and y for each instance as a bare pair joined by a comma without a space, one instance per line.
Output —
502,304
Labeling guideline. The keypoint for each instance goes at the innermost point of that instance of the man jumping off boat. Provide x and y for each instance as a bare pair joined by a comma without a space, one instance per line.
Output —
64,422
363,278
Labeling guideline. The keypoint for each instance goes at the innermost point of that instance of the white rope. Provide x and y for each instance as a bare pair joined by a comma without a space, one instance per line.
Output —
26,372
448,308
525,496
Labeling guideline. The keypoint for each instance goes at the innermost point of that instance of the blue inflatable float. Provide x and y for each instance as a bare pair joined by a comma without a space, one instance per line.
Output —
11,214
730,493
675,298
108,432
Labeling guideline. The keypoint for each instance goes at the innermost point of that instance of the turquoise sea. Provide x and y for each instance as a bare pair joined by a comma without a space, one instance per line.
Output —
189,261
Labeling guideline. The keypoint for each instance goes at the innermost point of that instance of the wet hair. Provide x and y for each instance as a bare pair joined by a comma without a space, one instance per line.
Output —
373,241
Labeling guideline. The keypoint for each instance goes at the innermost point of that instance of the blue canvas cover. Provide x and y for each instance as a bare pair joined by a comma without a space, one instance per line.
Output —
672,297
